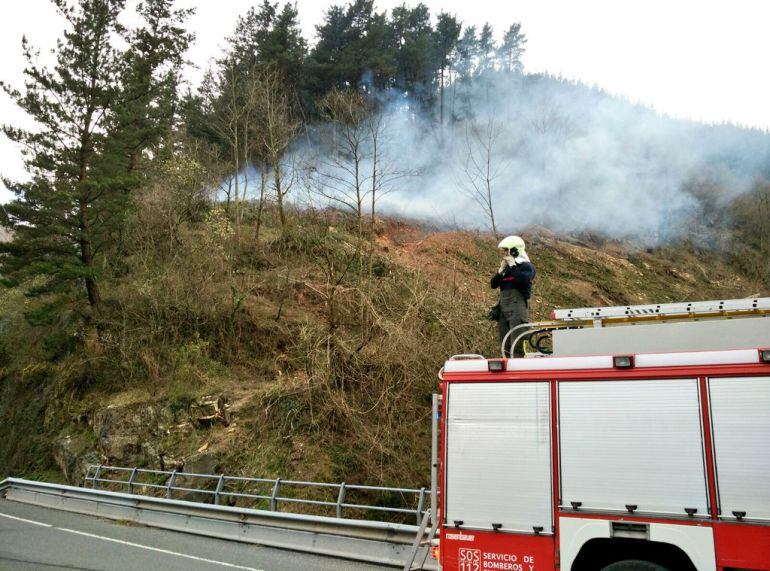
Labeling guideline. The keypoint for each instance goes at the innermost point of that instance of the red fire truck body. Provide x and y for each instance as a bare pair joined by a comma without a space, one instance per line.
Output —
632,461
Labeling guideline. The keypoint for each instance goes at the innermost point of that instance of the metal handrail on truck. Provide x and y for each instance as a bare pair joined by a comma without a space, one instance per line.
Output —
597,317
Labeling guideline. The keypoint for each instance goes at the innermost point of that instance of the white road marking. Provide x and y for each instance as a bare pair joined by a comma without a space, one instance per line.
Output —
140,546
130,544
41,524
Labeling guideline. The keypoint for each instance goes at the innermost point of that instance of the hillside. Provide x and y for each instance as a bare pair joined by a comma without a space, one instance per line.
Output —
298,356
201,278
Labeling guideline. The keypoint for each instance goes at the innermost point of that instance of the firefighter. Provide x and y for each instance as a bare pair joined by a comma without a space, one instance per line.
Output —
514,279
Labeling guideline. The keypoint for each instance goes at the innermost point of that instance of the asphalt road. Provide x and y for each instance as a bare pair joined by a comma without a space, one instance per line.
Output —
32,537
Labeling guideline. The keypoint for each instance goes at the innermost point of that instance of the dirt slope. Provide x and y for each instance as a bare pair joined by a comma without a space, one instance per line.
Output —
349,403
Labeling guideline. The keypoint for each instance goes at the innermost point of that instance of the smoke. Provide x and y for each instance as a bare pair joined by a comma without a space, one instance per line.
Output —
561,155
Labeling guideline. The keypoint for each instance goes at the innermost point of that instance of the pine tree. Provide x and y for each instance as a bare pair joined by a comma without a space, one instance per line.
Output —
486,50
270,38
467,54
412,46
266,48
149,80
326,60
96,111
466,60
512,49
445,37
285,48
354,49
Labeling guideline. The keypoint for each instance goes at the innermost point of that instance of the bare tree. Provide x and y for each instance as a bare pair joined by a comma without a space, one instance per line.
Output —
482,167
548,119
262,167
229,109
750,215
355,172
342,174
257,153
384,171
762,202
275,127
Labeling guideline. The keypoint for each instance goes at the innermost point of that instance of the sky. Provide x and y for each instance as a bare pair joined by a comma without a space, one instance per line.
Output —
696,59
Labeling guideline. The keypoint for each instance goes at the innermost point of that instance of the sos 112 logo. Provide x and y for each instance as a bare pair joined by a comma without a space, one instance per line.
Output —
470,559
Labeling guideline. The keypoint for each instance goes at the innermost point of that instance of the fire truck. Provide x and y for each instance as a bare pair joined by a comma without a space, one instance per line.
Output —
640,443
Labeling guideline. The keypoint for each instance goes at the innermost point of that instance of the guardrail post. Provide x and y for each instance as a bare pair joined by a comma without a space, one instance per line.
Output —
86,476
340,499
131,481
274,497
170,486
218,491
96,476
420,505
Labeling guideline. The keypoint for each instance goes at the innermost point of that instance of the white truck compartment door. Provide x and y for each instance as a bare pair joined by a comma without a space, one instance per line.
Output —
632,443
740,424
498,456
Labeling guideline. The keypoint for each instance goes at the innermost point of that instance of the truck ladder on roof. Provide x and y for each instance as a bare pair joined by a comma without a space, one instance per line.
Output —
597,317
684,310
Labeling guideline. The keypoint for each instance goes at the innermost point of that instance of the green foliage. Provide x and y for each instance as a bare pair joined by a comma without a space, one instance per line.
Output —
23,404
352,44
180,401
512,49
330,339
97,110
59,343
358,46
412,37
446,34
270,38
751,231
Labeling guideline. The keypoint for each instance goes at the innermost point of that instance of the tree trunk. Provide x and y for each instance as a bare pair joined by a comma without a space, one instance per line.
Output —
279,192
373,218
262,185
86,252
245,192
86,255
488,182
237,165
441,97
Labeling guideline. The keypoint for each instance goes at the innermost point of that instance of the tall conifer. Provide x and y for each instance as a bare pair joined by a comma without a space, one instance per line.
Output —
96,110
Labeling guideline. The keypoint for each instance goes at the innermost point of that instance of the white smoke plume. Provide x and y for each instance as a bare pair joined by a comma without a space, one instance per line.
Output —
564,156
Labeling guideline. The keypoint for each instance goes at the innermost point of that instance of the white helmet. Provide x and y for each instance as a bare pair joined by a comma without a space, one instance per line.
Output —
510,242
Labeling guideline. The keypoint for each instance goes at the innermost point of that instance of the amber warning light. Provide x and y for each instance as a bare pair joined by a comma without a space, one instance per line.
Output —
496,365
623,361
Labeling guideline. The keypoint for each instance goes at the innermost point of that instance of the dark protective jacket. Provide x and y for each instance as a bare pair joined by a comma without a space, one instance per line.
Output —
517,277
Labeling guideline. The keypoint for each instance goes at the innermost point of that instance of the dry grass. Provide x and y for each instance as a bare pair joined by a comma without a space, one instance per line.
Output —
328,358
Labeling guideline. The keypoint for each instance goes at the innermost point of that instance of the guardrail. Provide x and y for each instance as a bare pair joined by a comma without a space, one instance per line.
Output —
277,493
370,541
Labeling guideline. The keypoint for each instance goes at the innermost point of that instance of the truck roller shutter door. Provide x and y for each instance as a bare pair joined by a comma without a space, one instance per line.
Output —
498,458
740,417
632,443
